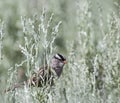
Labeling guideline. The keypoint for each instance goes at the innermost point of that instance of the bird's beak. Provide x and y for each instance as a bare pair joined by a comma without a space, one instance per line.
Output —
65,62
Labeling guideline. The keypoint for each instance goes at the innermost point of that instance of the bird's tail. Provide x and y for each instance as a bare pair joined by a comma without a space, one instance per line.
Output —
18,85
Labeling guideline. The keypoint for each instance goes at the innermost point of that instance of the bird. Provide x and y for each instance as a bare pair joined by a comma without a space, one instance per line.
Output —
46,74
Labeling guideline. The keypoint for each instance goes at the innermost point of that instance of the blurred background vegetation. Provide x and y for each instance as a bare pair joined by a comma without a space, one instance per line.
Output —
89,32
64,10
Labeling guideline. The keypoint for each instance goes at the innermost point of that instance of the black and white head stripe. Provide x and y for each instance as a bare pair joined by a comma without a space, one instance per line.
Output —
60,57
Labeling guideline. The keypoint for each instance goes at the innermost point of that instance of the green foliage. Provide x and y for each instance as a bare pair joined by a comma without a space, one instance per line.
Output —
87,32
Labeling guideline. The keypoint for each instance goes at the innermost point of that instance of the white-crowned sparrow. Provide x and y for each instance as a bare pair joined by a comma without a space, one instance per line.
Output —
46,74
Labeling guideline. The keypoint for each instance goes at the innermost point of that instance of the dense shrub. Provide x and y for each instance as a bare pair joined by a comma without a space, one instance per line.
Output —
86,32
